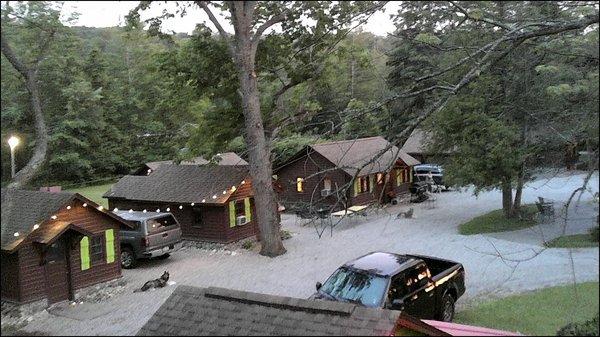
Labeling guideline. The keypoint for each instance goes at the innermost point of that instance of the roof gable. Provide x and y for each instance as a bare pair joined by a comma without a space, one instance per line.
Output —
182,183
22,209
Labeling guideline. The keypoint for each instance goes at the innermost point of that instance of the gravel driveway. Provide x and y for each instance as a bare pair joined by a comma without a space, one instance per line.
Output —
310,259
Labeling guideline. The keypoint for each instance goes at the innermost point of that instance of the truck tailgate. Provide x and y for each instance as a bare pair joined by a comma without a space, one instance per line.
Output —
164,238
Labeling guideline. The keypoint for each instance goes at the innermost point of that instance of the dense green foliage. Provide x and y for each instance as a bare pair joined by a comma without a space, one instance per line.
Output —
539,313
585,328
536,107
116,97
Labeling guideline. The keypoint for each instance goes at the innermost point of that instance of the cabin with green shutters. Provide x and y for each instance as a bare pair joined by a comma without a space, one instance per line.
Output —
345,173
211,203
56,244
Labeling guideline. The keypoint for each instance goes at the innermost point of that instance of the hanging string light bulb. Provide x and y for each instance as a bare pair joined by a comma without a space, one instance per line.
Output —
180,207
69,207
36,226
115,210
54,217
84,204
192,204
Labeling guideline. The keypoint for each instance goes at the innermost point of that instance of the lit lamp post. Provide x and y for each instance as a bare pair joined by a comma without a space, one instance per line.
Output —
13,142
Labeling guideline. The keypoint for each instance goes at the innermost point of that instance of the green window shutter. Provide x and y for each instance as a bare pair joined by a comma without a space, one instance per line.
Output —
84,251
247,209
356,186
371,182
410,176
109,234
232,214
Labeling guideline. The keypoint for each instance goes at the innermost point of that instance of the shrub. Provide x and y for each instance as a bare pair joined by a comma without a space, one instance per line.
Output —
248,244
595,233
587,328
285,234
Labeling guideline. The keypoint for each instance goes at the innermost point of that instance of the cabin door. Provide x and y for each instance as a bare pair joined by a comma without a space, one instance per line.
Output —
57,272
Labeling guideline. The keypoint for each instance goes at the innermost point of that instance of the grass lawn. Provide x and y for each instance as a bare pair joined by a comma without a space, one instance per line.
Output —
539,313
93,193
494,221
573,241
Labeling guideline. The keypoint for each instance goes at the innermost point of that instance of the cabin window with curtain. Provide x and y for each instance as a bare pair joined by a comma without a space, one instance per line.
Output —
364,184
96,248
327,184
239,208
299,184
380,178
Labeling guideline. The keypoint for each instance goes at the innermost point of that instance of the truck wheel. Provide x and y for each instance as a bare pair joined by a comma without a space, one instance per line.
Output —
127,258
447,313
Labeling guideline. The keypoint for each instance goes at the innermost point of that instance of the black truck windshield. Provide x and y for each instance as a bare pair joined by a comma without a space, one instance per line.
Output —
348,285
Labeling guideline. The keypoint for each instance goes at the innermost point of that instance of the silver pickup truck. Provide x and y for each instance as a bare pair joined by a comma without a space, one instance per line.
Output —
155,234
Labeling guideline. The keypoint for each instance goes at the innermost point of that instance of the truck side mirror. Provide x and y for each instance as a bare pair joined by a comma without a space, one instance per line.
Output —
398,304
319,285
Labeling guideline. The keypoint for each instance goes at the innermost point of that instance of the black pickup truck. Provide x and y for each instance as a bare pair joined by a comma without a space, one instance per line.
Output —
421,286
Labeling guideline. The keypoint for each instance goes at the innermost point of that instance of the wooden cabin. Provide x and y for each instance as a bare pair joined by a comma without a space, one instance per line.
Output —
211,203
323,174
54,244
222,159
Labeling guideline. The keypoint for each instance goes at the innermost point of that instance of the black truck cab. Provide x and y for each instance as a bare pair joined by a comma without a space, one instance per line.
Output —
421,286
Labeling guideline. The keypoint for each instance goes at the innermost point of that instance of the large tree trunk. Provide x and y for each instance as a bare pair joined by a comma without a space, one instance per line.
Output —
27,173
258,148
516,206
507,198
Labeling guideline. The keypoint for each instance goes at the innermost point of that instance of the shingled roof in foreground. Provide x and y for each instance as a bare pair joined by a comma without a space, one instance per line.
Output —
219,311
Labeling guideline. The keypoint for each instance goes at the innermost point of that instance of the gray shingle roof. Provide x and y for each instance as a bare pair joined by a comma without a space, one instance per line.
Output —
218,311
225,159
181,183
351,155
21,209
418,141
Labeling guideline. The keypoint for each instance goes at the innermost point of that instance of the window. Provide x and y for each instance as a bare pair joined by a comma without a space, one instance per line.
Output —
417,278
197,217
56,252
379,178
352,286
240,209
397,288
364,184
299,184
96,248
327,184
160,224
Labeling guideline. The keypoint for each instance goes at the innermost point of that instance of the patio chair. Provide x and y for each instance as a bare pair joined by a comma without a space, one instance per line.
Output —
546,211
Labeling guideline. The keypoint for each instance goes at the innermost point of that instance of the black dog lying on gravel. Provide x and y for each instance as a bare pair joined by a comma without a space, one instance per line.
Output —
156,283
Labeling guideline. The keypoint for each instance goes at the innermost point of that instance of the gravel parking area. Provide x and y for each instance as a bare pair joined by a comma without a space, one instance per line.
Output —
523,266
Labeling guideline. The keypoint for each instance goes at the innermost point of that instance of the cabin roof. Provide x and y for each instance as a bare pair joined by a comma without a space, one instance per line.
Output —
22,209
210,311
182,184
362,155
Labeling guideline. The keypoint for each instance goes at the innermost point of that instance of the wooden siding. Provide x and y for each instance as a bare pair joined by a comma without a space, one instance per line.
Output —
215,218
32,274
10,276
303,167
250,229
311,165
